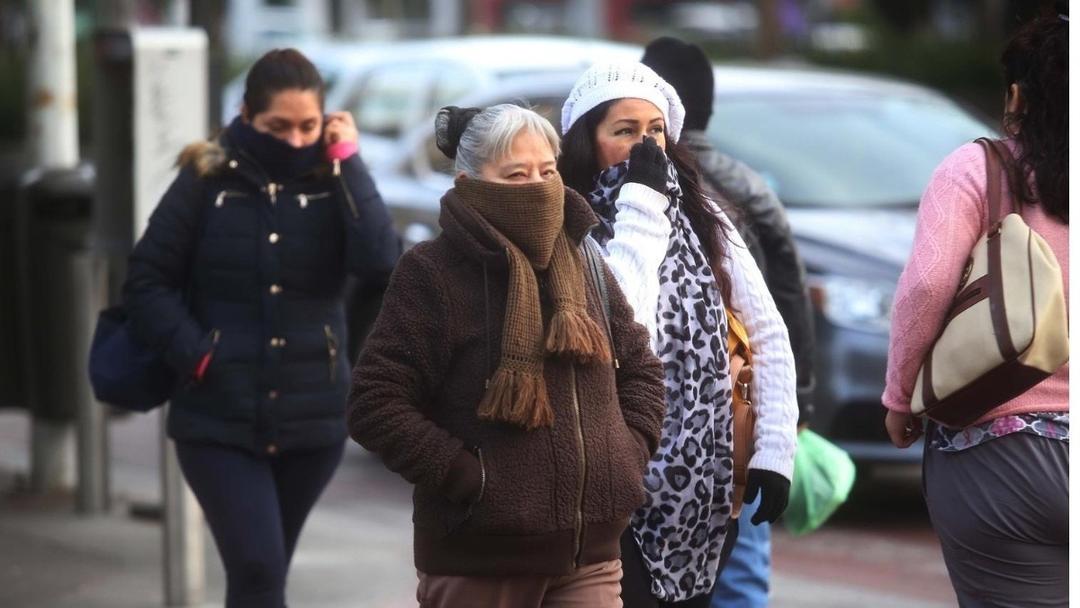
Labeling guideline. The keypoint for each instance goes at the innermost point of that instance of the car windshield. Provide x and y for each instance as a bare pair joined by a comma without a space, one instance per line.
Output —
851,151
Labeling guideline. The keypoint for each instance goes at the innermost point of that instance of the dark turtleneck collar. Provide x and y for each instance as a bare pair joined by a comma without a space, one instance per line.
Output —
276,157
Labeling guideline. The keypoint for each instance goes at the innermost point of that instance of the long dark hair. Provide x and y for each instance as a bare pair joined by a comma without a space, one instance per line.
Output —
1037,60
276,71
579,167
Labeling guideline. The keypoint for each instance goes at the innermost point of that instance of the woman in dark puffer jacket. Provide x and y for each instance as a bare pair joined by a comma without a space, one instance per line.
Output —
238,281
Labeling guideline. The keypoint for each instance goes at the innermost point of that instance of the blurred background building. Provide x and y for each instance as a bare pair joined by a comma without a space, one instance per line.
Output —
950,44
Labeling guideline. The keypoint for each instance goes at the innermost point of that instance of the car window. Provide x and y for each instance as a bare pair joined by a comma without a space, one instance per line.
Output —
843,151
393,98
548,107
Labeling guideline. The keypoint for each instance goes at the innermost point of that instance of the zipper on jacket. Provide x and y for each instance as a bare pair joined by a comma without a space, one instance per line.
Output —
483,476
479,453
579,513
272,189
331,351
345,190
224,194
487,332
304,199
215,337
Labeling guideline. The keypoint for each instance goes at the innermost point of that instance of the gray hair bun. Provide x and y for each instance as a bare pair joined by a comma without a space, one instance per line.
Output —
450,124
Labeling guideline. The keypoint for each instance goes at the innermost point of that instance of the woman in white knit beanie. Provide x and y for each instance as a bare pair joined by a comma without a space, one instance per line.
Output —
681,265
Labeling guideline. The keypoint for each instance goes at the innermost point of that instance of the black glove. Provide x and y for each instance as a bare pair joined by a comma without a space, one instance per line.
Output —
648,165
774,494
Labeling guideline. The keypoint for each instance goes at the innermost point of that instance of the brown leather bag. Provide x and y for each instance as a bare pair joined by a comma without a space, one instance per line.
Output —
740,361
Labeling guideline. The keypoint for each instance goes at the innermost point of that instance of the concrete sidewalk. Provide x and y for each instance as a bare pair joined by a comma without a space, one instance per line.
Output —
356,550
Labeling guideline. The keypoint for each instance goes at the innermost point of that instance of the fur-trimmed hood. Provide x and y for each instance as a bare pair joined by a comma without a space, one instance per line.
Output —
204,157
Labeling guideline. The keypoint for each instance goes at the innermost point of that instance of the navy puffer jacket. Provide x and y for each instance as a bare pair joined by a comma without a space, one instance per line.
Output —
251,268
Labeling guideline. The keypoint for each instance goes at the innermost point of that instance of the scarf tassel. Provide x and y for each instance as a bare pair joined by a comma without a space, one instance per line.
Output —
518,398
573,333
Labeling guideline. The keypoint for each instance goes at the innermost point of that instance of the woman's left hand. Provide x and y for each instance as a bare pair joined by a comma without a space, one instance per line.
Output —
340,128
903,429
774,489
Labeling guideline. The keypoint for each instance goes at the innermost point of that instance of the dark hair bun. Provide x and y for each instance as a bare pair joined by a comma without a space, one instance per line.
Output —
450,124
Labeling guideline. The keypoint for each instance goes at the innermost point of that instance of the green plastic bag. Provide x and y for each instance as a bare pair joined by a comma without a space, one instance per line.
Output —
822,481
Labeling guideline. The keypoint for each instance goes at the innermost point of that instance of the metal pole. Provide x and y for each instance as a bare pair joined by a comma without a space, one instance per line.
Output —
770,40
52,455
115,14
89,278
179,13
184,547
587,18
446,17
54,117
53,143
210,15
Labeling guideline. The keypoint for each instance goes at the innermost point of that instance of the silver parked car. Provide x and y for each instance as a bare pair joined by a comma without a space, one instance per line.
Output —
848,155
392,86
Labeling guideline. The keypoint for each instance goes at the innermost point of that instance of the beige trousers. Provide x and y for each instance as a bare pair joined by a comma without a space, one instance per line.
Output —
592,586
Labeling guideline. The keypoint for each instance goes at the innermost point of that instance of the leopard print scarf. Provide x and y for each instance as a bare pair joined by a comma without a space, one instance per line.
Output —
688,486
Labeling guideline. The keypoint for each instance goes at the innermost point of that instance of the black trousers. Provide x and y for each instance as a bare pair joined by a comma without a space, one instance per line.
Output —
637,585
256,506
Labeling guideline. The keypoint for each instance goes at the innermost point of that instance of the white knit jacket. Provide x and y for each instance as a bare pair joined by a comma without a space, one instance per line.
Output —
634,254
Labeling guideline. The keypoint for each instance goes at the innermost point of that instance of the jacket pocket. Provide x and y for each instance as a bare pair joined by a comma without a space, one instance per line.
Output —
462,515
198,377
520,487
225,195
332,352
306,199
628,462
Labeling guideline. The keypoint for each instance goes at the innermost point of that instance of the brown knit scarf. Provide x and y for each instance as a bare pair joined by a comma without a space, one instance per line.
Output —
529,217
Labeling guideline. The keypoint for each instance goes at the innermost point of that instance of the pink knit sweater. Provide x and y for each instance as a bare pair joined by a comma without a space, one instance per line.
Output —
952,217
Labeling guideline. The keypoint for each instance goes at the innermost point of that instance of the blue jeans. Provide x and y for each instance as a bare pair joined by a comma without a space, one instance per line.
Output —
744,581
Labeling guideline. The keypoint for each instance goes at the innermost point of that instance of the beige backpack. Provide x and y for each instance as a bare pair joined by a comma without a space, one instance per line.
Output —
1008,328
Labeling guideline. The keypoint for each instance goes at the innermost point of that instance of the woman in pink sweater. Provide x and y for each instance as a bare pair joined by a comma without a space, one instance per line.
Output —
997,491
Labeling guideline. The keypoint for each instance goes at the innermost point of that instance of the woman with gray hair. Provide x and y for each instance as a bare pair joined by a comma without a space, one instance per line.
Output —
506,378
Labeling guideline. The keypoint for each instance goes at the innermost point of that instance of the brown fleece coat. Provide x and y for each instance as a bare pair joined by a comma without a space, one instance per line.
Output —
535,502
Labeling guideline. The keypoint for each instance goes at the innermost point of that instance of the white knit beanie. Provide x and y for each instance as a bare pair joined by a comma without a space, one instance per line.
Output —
606,81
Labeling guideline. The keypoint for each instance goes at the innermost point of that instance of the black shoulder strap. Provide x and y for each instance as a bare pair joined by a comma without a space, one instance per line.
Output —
593,260
596,276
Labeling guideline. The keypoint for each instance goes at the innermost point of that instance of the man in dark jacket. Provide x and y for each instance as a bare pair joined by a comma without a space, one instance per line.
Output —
765,229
